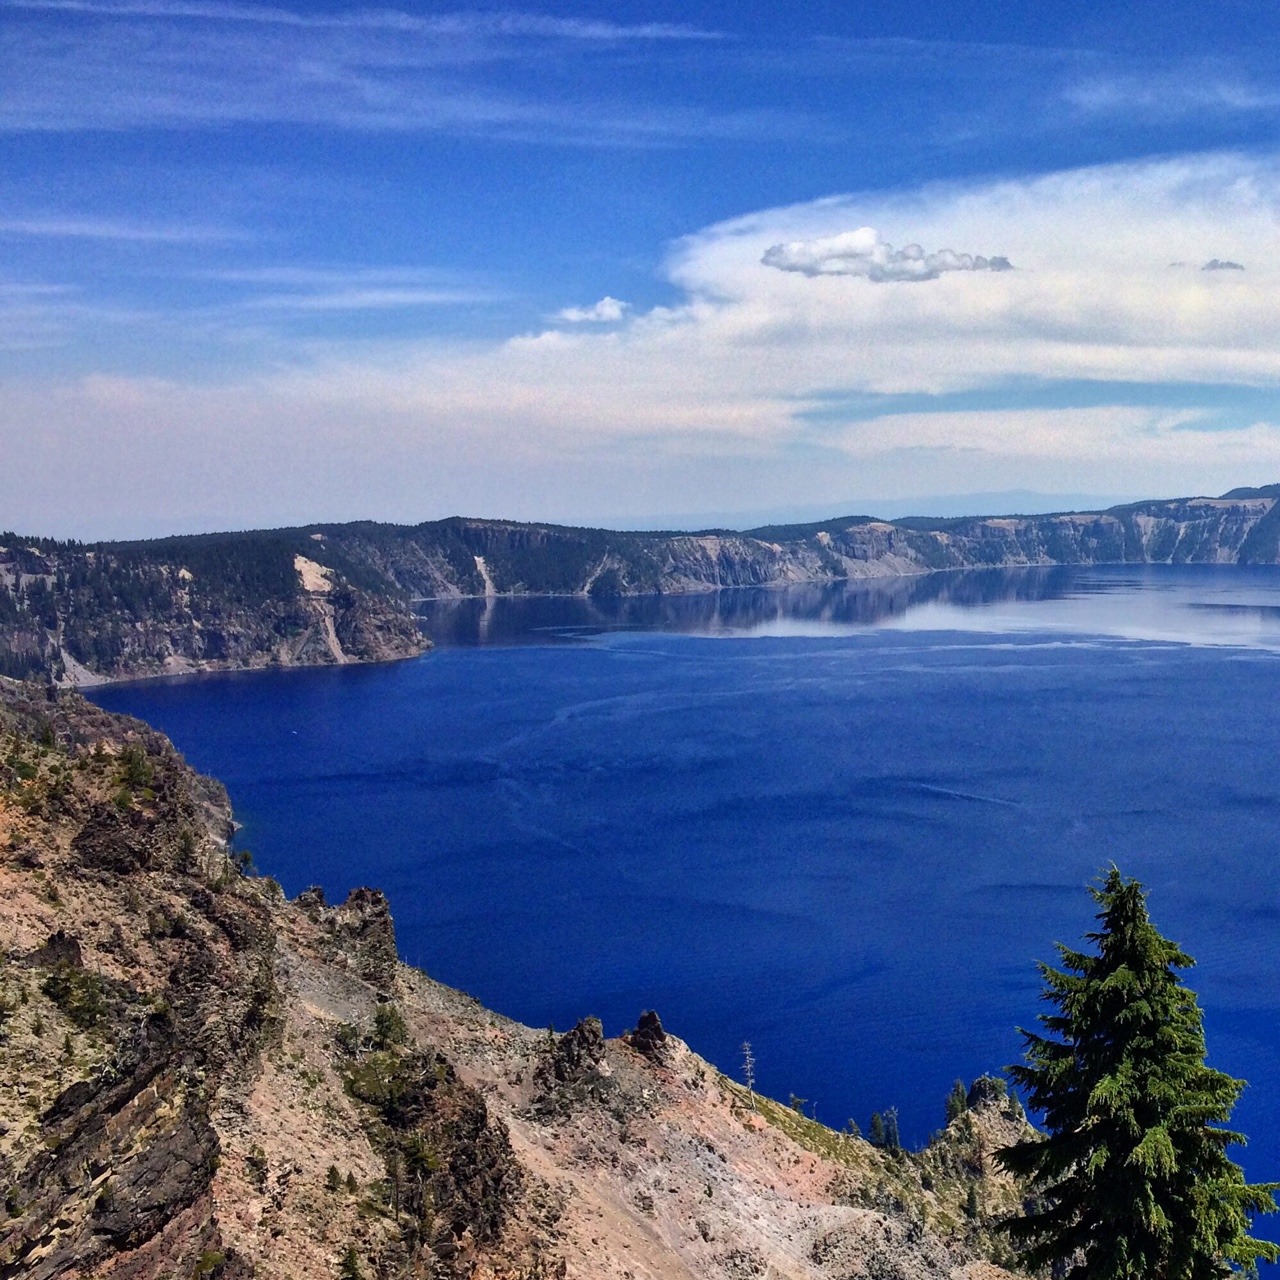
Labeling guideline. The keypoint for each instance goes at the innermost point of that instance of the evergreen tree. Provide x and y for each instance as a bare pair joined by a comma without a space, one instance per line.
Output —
957,1101
972,1206
1132,1174
875,1130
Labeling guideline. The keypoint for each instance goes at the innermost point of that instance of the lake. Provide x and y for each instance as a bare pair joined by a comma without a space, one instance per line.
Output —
841,823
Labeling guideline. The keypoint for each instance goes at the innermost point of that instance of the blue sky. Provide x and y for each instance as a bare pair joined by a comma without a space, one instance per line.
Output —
269,263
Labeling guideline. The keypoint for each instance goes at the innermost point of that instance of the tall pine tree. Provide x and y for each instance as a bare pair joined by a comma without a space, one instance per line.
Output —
1132,1173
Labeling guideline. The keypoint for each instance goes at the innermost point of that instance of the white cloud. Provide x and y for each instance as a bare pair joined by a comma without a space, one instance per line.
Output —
863,253
63,228
606,311
723,400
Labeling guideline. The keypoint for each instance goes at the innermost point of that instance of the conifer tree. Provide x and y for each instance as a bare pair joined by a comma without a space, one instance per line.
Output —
875,1131
1133,1177
972,1206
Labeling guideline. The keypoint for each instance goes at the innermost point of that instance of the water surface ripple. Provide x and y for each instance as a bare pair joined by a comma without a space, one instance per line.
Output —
841,823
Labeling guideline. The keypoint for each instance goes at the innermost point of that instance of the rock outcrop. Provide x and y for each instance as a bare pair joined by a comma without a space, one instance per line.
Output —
199,1078
649,1037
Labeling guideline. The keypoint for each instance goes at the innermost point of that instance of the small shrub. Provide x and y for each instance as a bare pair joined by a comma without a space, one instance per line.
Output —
208,1265
389,1027
79,994
378,1080
256,1166
264,1006
349,1268
333,1179
135,769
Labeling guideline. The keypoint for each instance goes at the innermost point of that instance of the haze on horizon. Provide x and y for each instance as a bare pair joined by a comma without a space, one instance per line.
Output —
630,264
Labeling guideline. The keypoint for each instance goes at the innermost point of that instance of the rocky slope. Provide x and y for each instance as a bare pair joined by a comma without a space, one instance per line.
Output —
337,593
198,1078
84,614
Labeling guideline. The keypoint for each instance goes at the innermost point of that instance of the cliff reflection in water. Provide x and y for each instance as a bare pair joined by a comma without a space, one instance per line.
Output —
812,608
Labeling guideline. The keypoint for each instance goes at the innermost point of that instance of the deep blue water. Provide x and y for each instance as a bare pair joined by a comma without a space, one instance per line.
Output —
843,825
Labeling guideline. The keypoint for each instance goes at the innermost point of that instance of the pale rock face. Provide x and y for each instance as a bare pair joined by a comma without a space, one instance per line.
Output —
315,577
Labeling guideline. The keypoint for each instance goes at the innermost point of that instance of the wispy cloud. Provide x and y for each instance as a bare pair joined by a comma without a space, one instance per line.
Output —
10,290
1170,92
130,232
313,289
36,316
77,64
368,299
321,277
446,24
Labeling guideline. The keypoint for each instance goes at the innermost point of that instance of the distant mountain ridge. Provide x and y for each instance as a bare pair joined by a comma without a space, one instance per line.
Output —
332,593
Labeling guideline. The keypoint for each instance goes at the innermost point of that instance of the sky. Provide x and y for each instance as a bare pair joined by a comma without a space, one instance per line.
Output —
631,263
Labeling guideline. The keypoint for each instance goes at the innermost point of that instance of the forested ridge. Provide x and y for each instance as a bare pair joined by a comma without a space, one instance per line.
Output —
239,599
224,600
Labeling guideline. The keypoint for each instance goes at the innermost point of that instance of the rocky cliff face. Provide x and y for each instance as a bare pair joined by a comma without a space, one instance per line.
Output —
344,593
475,557
83,615
198,1079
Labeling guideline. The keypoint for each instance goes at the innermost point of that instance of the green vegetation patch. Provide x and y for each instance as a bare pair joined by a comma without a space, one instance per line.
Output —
79,994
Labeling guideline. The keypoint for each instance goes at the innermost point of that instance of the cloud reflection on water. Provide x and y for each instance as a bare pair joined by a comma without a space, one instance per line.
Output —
1220,605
